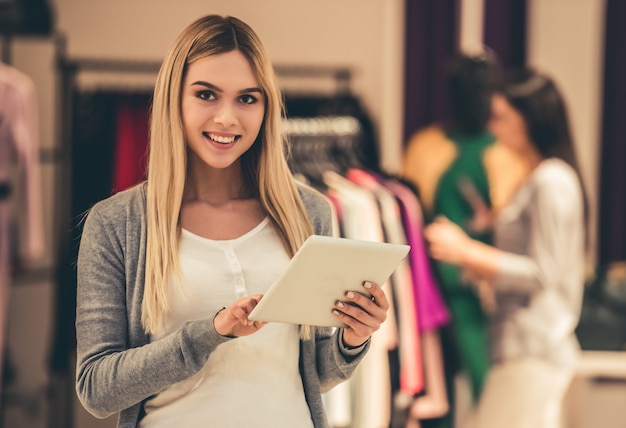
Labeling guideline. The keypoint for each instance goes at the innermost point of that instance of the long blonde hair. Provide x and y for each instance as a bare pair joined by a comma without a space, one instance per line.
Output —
264,164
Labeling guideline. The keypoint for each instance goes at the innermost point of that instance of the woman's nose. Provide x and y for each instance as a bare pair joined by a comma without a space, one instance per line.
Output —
225,114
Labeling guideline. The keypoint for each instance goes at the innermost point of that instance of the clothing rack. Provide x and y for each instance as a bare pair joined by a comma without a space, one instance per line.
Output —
342,75
323,143
72,66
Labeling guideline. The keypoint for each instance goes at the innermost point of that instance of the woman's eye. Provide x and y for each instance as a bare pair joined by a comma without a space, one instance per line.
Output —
205,95
248,99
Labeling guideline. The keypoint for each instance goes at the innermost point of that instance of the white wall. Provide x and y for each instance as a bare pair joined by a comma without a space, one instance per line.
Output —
471,26
566,40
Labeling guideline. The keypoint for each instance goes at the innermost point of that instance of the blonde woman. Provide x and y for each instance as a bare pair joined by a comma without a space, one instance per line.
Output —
169,270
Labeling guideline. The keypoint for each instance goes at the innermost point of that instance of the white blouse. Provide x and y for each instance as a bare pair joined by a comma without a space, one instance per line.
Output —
251,381
540,283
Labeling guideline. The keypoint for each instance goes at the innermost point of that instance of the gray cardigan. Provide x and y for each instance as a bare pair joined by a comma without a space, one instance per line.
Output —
117,366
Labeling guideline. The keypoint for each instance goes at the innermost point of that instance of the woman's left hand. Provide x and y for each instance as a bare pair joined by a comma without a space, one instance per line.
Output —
362,315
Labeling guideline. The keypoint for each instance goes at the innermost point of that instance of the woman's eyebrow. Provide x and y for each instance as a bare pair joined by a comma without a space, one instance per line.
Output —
218,89
255,89
207,85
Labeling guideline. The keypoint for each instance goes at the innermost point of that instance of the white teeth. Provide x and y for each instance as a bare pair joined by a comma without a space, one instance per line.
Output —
220,139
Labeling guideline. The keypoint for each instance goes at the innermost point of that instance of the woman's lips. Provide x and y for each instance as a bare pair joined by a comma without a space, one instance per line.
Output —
221,139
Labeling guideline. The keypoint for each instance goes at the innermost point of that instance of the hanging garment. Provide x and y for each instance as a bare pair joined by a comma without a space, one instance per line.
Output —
93,138
19,144
411,370
109,137
406,366
434,401
432,310
370,384
131,142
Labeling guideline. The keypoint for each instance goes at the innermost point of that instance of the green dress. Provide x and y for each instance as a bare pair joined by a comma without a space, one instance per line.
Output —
465,339
440,163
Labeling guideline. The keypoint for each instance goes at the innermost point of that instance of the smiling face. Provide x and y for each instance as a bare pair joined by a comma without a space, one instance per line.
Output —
222,110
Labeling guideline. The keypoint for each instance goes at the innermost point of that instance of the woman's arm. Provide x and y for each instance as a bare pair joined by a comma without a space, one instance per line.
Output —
555,241
112,376
449,243
555,253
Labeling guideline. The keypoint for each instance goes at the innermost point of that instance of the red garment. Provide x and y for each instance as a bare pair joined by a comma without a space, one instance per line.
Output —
131,144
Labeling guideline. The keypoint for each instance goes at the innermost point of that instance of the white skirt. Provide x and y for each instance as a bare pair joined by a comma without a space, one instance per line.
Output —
522,393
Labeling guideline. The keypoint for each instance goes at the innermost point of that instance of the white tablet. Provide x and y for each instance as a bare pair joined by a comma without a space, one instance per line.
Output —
320,273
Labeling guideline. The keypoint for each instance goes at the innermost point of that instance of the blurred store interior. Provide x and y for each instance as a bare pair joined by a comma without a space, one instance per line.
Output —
91,60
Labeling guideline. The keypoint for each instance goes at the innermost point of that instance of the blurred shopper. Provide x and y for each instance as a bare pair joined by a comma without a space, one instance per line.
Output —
461,174
536,269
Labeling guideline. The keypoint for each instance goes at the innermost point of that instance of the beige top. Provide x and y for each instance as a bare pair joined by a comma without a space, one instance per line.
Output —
429,153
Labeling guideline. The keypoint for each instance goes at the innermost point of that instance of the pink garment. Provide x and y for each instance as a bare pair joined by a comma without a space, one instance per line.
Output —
411,365
432,310
19,144
336,205
5,212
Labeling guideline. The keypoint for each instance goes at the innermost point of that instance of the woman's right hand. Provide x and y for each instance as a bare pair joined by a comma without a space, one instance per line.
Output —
447,241
233,321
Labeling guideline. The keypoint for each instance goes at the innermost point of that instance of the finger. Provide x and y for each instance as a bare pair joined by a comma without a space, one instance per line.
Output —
374,304
442,219
430,233
240,314
378,295
357,301
258,324
256,298
249,302
356,326
244,306
436,253
360,315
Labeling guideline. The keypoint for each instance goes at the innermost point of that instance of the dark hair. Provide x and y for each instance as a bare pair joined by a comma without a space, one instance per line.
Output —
471,81
537,98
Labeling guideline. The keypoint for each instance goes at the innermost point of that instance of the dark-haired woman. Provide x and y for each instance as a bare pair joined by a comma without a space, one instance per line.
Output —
536,268
463,174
